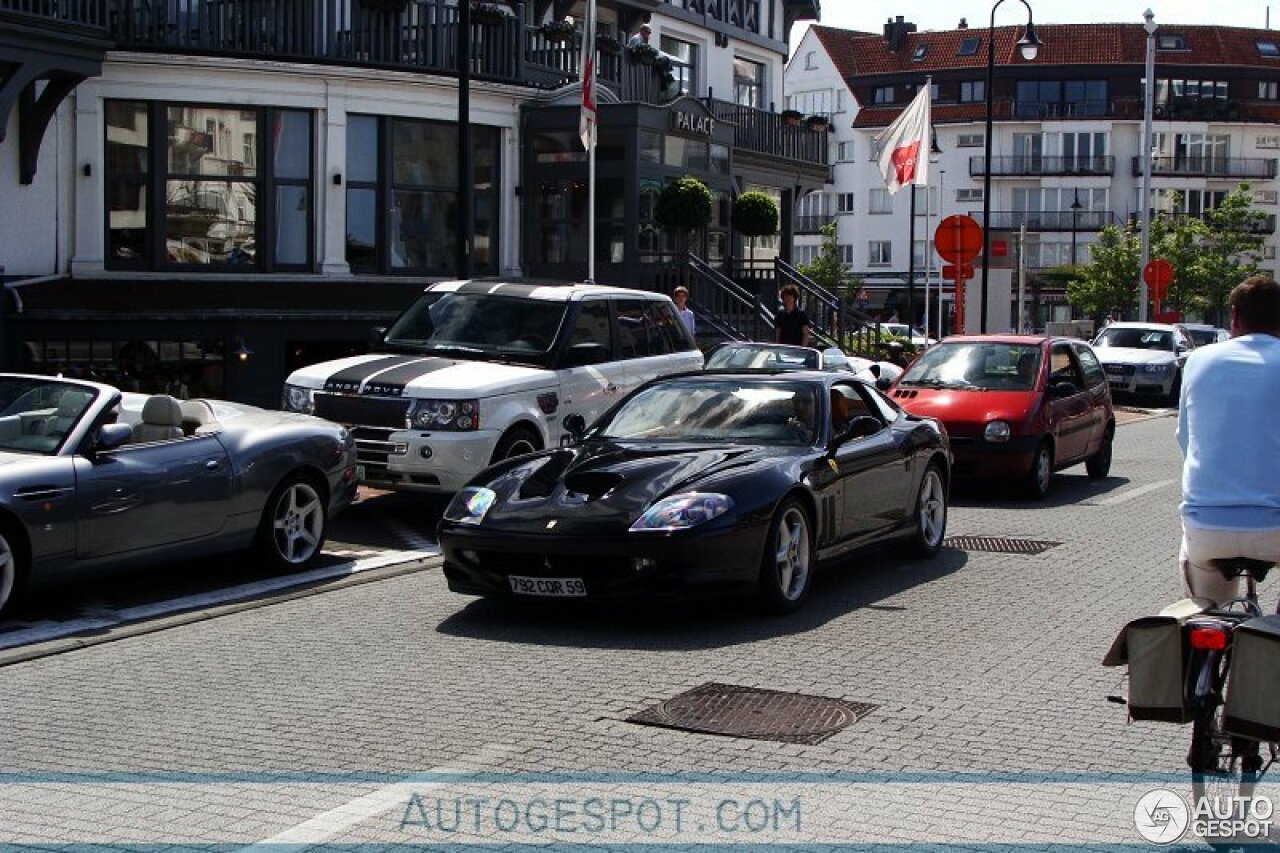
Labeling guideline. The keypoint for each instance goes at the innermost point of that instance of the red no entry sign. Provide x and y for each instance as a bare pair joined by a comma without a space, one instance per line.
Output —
1158,274
958,239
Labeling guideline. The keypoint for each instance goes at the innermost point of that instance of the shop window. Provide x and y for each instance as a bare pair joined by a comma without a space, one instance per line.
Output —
402,195
183,369
194,186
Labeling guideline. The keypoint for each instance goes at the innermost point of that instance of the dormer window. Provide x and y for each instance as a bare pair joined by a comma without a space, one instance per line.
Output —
1267,48
919,52
968,46
1171,41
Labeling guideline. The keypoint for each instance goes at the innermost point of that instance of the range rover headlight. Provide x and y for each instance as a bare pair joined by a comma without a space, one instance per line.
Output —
997,431
457,415
295,398
680,512
470,505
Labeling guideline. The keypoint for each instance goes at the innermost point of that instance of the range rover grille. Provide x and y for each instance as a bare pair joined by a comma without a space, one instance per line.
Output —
362,411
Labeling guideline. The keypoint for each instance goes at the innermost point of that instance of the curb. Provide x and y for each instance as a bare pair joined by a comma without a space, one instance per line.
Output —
126,630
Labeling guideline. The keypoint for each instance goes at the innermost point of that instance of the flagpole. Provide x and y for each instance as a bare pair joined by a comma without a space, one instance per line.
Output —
588,127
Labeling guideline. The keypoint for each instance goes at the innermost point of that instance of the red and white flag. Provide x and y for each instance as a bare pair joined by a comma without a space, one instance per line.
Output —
905,144
587,118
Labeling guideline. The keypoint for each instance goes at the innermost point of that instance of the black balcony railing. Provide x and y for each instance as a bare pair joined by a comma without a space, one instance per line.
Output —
1054,109
1023,165
1210,167
1262,225
811,224
764,132
1048,220
80,13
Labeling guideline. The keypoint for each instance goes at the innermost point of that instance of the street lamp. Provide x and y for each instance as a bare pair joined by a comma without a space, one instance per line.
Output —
1076,207
1149,90
1028,47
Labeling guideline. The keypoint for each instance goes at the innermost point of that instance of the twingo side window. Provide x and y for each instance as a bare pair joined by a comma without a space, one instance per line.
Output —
1093,374
1064,367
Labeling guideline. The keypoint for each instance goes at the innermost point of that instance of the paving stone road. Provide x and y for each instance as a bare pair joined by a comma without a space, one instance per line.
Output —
348,718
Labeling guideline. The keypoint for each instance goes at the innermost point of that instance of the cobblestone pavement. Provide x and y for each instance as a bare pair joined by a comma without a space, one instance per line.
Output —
348,718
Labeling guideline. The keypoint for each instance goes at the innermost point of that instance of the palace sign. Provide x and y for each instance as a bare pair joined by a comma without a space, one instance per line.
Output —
691,123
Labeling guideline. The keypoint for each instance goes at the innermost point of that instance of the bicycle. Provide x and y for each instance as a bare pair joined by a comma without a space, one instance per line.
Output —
1223,764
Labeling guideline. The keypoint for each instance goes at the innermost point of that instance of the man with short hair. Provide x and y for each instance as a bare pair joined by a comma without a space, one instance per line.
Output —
641,36
1231,475
791,324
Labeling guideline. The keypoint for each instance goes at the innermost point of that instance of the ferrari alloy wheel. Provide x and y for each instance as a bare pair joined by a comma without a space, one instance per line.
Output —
786,569
1041,473
294,524
8,573
931,513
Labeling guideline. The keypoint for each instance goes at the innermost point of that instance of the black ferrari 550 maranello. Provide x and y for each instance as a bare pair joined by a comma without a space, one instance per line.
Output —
734,481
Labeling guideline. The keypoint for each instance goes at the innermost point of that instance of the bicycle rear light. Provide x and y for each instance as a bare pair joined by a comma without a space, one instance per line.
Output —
1208,639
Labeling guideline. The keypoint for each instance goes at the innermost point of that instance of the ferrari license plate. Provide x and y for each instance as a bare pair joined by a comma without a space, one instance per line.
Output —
548,587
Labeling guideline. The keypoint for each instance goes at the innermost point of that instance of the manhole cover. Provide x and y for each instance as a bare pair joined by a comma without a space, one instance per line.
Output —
1000,544
748,712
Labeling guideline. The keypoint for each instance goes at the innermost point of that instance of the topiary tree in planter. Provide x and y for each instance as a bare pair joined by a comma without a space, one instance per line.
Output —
683,206
755,214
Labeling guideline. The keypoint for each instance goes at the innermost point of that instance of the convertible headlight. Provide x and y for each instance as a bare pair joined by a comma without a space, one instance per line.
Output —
679,512
997,431
470,505
1157,368
459,415
295,398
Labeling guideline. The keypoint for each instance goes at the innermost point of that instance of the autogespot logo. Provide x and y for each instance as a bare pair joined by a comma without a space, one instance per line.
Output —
1161,816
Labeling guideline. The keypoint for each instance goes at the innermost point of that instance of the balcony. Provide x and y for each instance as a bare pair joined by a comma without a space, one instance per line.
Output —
1048,220
1057,109
1034,165
1209,167
763,132
811,224
1264,225
86,14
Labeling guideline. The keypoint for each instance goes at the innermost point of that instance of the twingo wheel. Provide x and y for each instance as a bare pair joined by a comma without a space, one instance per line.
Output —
787,564
11,573
294,523
930,513
1099,464
516,442
1036,485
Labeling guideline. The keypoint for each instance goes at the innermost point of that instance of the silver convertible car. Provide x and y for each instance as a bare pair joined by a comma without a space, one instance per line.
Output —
91,477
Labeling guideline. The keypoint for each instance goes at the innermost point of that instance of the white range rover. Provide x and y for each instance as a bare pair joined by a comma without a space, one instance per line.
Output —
475,372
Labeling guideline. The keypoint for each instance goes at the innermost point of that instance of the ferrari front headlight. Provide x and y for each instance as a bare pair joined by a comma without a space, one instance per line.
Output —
680,512
470,505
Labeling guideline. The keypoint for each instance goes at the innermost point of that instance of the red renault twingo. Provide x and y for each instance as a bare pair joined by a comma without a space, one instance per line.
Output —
1015,406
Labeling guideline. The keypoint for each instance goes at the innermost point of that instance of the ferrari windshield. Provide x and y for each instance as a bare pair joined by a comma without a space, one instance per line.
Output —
717,410
976,365
773,358
479,325
1157,339
37,414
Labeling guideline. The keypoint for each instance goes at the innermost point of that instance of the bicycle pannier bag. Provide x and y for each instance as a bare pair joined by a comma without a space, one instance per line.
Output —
1252,708
1156,656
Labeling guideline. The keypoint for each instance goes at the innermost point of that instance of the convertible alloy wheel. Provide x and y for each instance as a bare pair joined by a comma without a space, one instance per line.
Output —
787,566
931,513
8,573
294,524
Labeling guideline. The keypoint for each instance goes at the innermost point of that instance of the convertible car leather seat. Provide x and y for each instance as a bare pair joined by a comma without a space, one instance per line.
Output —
161,420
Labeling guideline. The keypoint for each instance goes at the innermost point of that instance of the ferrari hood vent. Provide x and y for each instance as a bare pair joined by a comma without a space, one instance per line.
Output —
593,484
542,483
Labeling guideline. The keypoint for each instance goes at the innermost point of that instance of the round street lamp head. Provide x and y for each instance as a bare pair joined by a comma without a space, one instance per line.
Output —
1150,25
1029,44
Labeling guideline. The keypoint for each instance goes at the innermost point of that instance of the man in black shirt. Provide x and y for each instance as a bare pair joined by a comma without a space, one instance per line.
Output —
791,324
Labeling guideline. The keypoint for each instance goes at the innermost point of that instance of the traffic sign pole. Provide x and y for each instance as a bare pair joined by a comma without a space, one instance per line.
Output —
958,240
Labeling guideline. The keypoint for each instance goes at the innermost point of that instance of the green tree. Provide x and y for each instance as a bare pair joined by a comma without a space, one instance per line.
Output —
755,214
1230,252
683,206
1109,281
828,271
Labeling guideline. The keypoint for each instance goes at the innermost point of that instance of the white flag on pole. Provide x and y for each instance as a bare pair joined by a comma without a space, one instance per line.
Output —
904,145
587,118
